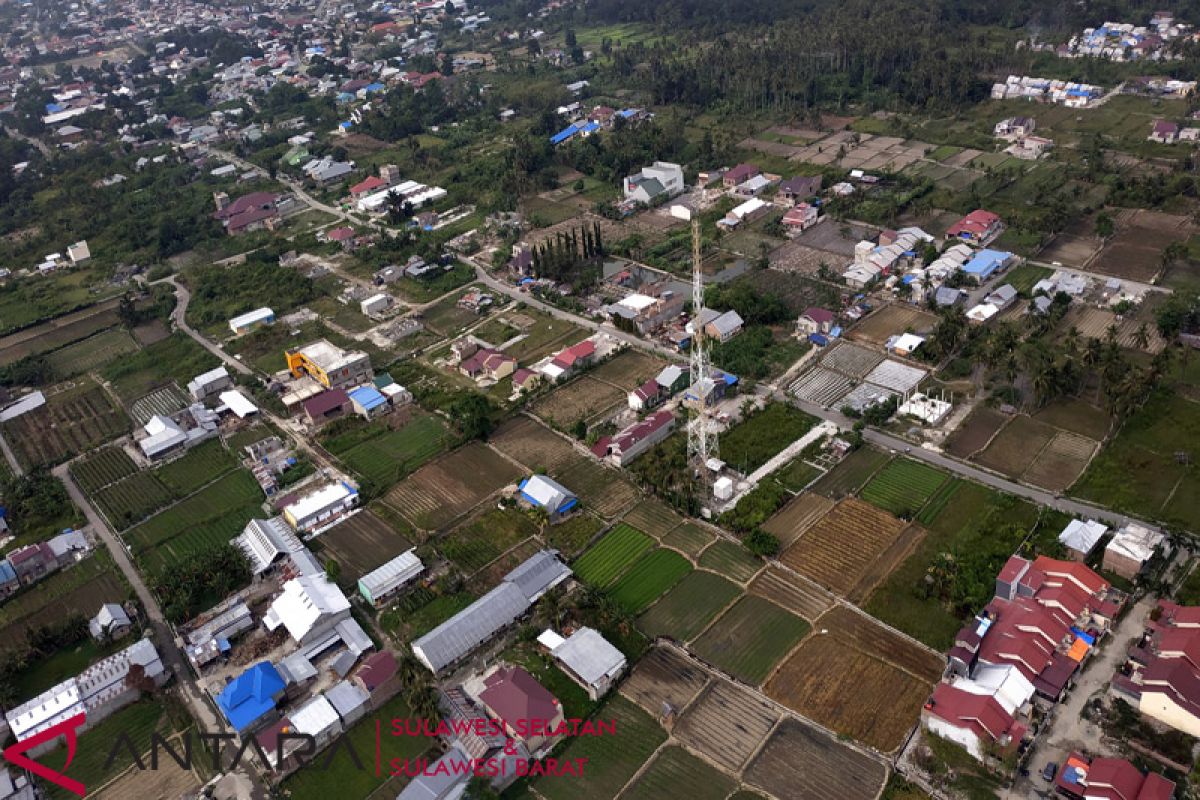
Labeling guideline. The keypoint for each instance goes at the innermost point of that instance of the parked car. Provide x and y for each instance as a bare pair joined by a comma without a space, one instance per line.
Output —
1050,771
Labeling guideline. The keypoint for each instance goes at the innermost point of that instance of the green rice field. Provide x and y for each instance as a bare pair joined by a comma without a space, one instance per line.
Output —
688,608
903,487
601,565
731,560
851,473
749,639
105,466
388,455
653,574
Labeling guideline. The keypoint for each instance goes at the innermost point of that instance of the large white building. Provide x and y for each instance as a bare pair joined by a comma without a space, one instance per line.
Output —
308,607
98,691
381,584
319,507
662,179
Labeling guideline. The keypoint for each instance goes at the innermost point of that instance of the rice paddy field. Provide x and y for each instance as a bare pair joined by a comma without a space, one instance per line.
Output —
750,638
903,487
384,455
851,473
676,773
649,577
610,556
689,539
687,609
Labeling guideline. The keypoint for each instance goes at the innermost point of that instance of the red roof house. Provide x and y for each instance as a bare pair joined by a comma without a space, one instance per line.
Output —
979,227
371,184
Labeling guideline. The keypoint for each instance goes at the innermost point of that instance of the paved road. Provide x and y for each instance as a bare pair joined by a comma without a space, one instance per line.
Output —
163,635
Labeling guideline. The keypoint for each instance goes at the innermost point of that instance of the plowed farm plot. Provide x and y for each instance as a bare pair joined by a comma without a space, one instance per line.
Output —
846,681
839,551
801,763
726,723
654,518
105,466
849,475
1061,462
749,639
689,539
974,433
1093,323
440,492
74,420
796,517
675,772
688,608
903,487
601,489
796,594
1014,448
585,398
362,542
731,560
534,445
892,320
664,677
1136,251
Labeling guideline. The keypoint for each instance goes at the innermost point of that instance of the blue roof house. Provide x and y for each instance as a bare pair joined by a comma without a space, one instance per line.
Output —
541,491
251,696
368,401
564,134
986,263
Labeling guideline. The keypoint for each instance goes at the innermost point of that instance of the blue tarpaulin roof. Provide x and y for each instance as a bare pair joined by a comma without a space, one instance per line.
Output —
250,696
564,134
1087,637
368,397
591,127
627,112
374,87
985,262
53,108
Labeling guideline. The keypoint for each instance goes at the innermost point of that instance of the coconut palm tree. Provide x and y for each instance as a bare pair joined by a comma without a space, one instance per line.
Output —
1141,336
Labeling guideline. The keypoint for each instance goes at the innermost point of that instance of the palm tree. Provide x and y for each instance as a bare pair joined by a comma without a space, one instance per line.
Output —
1141,337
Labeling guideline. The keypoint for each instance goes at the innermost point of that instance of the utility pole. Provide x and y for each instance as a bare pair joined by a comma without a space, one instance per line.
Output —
702,442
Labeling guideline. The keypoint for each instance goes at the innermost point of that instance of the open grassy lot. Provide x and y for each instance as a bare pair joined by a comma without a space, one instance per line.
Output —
200,465
612,760
685,610
903,487
209,517
475,544
797,474
1024,277
176,358
649,577
753,442
974,433
534,445
851,473
676,773
77,418
131,499
1076,416
797,516
731,560
447,318
750,638
81,589
584,398
542,335
1138,471
629,369
572,535
343,778
610,556
965,518
91,353
360,543
57,332
383,454
105,466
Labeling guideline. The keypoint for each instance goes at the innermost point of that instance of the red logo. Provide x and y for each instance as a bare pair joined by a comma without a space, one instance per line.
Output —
15,754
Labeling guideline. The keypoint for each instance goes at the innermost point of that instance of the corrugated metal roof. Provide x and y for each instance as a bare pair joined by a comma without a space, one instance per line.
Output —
397,572
471,627
538,573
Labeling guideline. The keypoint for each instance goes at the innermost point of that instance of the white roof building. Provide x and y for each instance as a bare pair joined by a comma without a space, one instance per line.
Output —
1081,536
318,506
317,718
209,382
929,410
163,435
258,316
307,606
1135,542
264,540
1004,682
589,659
236,402
380,583
79,252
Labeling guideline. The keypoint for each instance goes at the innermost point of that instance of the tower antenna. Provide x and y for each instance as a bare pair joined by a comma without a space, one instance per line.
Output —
702,441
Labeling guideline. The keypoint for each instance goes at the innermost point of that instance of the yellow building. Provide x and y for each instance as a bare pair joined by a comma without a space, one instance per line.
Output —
329,365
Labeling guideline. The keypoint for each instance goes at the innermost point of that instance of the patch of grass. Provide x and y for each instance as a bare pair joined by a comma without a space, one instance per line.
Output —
476,544
797,474
609,557
851,473
726,558
903,487
1024,277
649,578
754,441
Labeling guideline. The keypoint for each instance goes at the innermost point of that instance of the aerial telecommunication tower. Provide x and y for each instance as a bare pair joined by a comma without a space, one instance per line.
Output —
702,440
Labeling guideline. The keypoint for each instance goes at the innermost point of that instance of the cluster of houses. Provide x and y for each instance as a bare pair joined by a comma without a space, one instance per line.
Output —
77,254
25,566
252,212
1125,41
1023,144
1047,90
600,118
326,382
214,397
1167,132
1023,650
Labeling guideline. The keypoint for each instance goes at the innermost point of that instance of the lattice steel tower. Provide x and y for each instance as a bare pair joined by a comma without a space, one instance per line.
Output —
702,439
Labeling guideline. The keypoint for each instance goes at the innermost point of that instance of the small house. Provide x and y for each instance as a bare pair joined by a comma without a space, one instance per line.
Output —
1163,132
587,658
815,320
541,491
1081,537
110,623
1132,546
